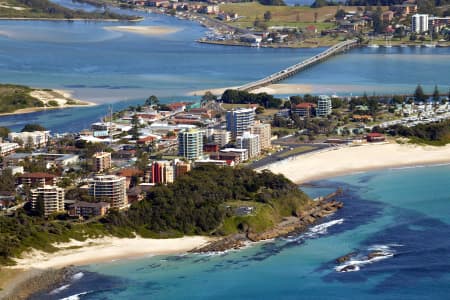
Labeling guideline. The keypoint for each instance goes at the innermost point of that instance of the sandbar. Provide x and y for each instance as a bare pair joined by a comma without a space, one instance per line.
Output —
145,30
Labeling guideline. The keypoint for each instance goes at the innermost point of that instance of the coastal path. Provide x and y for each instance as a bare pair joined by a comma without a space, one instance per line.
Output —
292,70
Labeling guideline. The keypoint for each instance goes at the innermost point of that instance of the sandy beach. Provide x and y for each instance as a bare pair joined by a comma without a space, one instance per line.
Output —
104,249
62,97
144,30
344,160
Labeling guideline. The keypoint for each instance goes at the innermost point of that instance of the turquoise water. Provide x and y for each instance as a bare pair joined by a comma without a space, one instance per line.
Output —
403,212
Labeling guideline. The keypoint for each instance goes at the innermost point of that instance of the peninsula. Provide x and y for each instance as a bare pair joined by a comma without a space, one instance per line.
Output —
47,10
18,99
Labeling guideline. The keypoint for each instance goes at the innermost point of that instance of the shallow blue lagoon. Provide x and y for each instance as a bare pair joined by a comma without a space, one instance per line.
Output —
404,213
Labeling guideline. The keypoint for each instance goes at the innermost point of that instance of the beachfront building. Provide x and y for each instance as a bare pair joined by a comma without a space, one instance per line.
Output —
108,188
240,120
243,153
49,198
8,148
250,142
265,134
221,137
161,171
324,107
190,144
419,23
34,139
102,161
88,209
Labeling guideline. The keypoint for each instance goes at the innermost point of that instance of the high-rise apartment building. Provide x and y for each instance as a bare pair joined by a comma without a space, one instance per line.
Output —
250,142
240,120
265,134
419,23
108,188
190,144
324,107
101,161
49,197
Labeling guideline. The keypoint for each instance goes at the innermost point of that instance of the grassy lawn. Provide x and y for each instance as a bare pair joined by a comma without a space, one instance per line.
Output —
283,15
229,106
295,151
263,218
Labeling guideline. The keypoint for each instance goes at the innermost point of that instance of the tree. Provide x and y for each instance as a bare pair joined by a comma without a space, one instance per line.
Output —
135,128
316,14
419,94
7,181
377,22
152,101
4,131
33,127
436,93
208,97
340,14
267,16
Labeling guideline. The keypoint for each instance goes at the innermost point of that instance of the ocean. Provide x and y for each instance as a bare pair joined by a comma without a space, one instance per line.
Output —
403,213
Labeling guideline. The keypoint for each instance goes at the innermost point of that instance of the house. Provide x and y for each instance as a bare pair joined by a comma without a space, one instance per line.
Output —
157,3
375,137
304,109
250,38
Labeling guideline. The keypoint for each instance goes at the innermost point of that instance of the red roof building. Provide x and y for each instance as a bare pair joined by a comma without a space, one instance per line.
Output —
304,109
375,137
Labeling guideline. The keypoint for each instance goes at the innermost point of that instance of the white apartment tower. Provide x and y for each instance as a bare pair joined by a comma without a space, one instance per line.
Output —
190,144
419,23
240,120
324,107
250,142
51,197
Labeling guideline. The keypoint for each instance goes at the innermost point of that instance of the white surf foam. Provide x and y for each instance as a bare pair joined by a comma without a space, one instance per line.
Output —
75,297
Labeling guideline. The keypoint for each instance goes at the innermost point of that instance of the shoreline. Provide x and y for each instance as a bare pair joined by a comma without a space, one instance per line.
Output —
60,96
75,253
68,20
334,162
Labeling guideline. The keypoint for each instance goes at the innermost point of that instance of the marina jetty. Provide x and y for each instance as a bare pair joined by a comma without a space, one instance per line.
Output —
292,70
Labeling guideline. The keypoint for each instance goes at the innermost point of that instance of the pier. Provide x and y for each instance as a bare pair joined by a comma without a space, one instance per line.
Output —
292,70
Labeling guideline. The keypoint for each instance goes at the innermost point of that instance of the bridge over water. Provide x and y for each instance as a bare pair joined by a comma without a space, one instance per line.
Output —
292,70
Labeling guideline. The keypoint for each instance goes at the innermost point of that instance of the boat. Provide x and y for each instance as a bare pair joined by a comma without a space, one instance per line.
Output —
373,46
430,45
403,46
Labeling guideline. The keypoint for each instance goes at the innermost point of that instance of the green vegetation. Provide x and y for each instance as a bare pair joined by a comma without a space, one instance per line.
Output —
33,127
242,97
296,150
47,9
14,97
435,134
289,16
194,204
